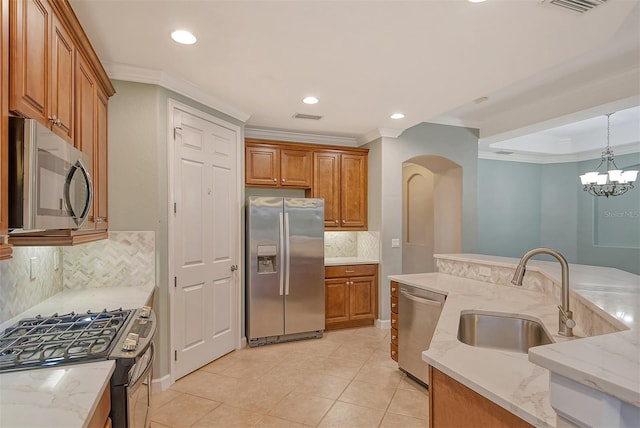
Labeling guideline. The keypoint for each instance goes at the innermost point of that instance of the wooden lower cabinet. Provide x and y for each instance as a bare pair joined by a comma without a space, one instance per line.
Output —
451,404
351,296
394,290
100,417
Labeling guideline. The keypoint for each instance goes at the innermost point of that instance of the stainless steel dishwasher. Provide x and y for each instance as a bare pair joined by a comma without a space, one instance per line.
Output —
418,313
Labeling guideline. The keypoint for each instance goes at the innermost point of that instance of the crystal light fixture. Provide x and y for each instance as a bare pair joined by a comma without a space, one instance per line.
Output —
614,182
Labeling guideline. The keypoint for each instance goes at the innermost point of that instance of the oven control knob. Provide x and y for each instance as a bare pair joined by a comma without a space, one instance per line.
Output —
145,312
131,342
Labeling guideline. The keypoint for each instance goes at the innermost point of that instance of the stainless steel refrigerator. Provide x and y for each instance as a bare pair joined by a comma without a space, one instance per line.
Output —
285,269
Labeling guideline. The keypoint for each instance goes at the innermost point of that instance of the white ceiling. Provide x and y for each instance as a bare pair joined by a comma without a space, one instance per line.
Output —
539,65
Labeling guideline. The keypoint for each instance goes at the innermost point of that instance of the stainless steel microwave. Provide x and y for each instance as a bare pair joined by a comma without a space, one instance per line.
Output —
49,182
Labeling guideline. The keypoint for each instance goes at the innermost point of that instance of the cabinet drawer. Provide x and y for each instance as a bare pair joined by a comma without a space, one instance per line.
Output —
394,336
394,304
395,289
349,270
394,320
394,352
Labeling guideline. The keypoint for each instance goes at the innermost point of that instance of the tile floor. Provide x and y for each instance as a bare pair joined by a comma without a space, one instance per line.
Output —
345,379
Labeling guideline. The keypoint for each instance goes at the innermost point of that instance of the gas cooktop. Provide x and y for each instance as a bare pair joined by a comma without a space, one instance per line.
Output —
60,339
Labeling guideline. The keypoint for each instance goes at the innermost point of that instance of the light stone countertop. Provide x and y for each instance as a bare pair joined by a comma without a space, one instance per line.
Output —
609,362
64,396
338,261
506,378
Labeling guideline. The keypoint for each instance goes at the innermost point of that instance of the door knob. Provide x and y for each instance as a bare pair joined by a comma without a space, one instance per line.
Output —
234,268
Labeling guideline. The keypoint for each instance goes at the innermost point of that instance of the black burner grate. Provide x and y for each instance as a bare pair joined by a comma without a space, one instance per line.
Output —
60,339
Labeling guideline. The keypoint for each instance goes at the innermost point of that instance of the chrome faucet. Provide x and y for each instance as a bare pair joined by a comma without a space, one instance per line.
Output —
565,319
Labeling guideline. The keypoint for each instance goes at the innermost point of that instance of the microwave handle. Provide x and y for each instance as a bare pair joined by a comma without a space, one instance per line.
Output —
78,166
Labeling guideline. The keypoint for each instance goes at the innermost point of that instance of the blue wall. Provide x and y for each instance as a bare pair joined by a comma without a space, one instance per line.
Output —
524,205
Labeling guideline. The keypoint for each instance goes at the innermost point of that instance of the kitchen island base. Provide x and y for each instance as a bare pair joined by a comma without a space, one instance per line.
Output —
451,404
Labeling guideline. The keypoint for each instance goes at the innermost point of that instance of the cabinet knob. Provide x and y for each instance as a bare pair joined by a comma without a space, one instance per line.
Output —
344,221
275,180
393,352
393,321
393,305
394,337
283,180
393,289
336,221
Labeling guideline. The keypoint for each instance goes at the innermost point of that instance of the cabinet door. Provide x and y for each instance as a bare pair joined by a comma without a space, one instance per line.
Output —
62,81
5,250
29,39
262,165
85,123
100,163
353,203
295,168
326,184
336,300
362,298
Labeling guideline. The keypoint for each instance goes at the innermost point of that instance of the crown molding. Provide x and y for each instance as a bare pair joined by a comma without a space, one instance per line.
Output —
298,137
184,87
374,134
542,158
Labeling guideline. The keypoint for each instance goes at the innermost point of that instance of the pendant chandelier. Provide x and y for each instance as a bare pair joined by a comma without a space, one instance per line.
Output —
612,182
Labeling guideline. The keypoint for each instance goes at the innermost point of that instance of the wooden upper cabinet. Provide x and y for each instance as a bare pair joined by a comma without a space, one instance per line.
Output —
62,81
353,199
30,49
326,185
42,66
91,138
100,176
5,250
262,165
341,179
336,174
56,78
271,166
296,168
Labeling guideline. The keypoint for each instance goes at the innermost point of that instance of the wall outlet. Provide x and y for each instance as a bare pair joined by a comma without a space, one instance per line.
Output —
33,267
484,271
395,243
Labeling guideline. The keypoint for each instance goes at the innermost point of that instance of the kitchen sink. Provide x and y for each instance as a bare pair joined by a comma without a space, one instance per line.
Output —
496,331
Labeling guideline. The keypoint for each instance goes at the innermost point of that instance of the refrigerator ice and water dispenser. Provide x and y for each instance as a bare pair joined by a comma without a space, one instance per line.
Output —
267,259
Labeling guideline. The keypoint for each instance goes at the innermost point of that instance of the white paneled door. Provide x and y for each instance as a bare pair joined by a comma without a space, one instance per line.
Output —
205,241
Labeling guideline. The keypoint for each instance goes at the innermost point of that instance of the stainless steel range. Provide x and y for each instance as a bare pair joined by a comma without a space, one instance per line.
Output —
125,336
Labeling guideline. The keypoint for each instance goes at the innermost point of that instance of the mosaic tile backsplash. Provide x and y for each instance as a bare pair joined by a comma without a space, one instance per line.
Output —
125,259
22,287
352,244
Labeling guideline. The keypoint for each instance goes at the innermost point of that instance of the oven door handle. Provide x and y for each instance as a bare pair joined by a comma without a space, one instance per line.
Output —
145,372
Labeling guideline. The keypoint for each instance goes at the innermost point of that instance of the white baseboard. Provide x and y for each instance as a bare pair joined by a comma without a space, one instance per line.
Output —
162,384
243,342
383,324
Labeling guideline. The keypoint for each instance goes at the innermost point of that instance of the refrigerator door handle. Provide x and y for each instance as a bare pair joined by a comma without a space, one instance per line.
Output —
281,235
287,252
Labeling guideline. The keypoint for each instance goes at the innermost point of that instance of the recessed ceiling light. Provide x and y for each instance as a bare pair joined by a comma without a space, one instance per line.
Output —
310,100
183,37
476,1
397,116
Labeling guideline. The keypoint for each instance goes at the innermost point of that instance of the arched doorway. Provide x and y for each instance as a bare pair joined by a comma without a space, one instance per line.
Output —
431,211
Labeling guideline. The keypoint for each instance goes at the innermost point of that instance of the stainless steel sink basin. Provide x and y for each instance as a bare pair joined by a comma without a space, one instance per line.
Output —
501,332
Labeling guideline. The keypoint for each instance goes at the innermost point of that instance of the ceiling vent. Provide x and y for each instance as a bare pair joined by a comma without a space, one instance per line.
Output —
580,6
503,152
306,116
